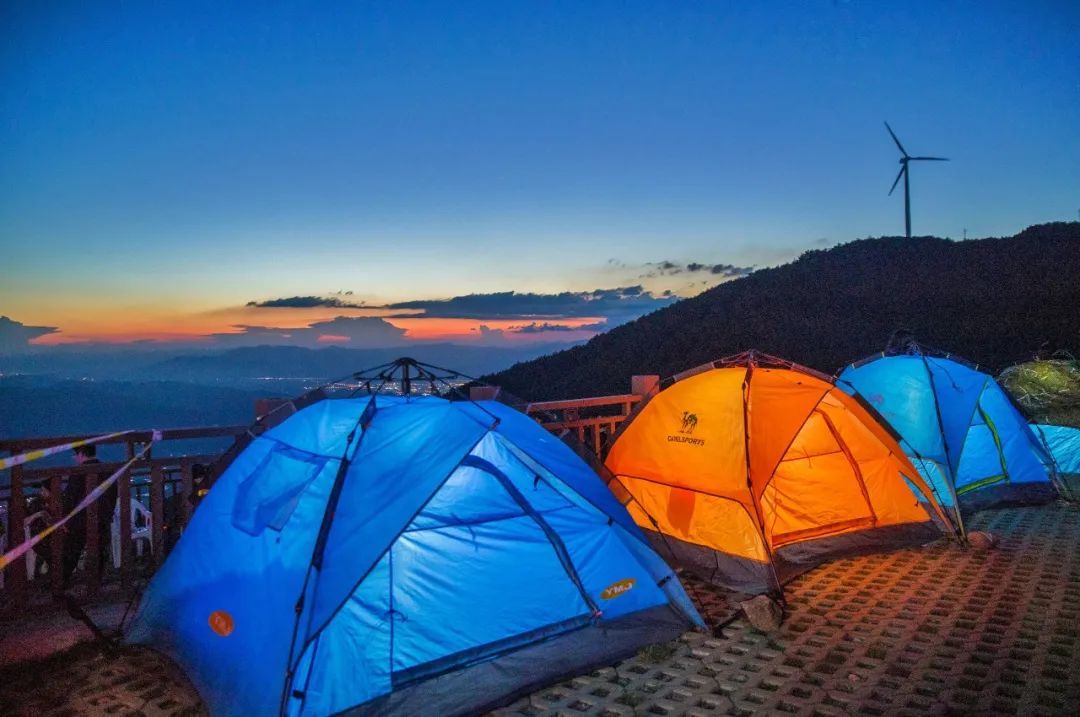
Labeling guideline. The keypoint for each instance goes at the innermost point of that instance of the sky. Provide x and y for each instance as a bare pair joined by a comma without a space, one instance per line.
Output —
368,173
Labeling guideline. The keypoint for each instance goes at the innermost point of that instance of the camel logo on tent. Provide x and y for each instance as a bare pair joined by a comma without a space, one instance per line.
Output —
617,588
689,423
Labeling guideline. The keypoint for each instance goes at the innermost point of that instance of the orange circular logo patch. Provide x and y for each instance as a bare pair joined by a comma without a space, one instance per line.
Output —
221,622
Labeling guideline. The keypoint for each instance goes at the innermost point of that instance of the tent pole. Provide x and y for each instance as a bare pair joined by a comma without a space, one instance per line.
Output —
362,422
1051,465
950,476
750,484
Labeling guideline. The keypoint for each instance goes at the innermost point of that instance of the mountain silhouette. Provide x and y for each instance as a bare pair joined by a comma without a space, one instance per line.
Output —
993,301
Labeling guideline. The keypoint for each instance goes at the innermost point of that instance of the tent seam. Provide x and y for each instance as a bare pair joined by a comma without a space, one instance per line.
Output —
378,558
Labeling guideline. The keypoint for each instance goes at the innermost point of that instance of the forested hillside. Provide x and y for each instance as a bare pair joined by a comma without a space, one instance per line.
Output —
994,301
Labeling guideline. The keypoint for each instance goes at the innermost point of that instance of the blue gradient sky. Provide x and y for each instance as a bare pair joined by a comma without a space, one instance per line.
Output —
162,166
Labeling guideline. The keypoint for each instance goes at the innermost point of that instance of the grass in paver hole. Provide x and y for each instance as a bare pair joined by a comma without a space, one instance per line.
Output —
631,698
658,653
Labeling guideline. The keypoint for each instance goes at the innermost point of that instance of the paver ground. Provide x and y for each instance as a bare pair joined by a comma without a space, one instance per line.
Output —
934,630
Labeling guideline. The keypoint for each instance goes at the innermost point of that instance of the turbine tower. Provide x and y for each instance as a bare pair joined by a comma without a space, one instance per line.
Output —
904,159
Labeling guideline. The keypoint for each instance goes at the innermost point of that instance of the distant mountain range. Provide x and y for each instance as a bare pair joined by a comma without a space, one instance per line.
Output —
994,301
70,391
255,362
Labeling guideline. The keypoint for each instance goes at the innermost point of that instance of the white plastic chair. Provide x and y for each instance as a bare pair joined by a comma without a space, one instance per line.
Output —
31,554
142,524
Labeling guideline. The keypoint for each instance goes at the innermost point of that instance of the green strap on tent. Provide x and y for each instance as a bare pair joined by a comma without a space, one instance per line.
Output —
1004,475
982,484
997,443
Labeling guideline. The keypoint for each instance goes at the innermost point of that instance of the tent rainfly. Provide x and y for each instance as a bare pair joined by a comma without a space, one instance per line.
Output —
750,470
404,555
958,426
1063,445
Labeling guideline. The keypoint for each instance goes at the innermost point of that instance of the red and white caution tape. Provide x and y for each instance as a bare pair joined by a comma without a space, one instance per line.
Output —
21,549
53,450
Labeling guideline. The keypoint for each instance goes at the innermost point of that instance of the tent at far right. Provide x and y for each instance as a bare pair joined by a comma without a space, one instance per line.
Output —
958,426
1063,445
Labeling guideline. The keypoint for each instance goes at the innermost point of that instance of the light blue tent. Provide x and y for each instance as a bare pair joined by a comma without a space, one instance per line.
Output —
957,426
404,555
1063,445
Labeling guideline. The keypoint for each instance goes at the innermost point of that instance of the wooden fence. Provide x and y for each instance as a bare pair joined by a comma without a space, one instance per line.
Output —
593,420
164,487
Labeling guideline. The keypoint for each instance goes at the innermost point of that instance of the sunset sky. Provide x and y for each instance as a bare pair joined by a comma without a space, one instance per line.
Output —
365,174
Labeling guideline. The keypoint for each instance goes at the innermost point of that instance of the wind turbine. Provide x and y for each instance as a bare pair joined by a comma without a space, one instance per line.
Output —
904,159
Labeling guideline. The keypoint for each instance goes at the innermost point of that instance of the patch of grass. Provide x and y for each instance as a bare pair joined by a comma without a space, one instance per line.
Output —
658,653
1047,389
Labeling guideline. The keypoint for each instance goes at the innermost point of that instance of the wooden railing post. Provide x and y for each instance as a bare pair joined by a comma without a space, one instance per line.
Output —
157,513
483,393
645,386
55,509
94,566
15,577
187,486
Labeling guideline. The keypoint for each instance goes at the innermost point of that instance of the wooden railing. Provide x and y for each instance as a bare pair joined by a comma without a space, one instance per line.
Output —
592,420
166,488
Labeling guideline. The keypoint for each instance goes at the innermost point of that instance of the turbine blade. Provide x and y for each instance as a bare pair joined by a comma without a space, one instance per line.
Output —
897,181
933,159
894,139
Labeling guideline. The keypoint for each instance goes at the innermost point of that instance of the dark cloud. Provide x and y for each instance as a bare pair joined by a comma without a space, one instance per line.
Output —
539,328
730,270
353,332
616,304
623,292
16,336
543,312
670,268
308,302
536,328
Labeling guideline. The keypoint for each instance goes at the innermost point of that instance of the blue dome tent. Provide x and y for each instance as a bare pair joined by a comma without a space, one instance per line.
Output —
403,554
958,427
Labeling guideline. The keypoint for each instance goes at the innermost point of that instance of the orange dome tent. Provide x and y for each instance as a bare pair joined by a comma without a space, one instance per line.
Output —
751,470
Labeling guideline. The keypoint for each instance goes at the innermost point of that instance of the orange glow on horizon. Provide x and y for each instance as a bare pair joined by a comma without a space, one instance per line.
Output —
158,327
